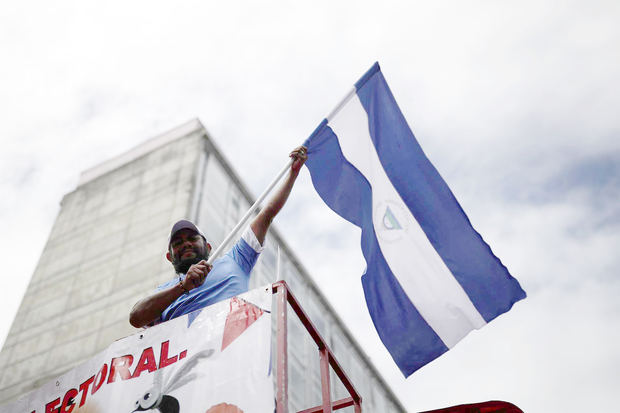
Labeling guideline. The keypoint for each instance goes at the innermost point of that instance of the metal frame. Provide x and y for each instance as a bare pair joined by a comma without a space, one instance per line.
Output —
285,297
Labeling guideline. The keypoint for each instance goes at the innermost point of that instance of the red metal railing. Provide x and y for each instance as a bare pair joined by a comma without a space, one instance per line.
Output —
285,297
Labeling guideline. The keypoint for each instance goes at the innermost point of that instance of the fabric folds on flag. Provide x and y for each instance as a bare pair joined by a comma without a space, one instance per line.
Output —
430,277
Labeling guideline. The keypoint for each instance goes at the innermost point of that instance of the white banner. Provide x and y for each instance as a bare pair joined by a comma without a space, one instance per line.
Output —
215,360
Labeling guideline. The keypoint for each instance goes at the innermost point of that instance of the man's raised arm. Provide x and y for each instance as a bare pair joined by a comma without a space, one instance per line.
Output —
261,223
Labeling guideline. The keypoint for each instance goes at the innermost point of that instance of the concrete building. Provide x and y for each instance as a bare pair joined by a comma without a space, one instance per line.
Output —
93,269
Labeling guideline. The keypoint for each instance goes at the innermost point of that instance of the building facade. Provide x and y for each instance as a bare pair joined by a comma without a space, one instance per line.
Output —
106,251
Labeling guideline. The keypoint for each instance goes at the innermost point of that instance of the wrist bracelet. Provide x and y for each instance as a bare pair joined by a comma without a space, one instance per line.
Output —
185,290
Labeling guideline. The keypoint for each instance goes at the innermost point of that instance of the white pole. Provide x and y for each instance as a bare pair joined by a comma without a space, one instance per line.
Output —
339,106
260,199
248,214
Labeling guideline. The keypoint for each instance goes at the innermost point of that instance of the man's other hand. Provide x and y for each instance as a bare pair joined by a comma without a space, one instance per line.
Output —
196,275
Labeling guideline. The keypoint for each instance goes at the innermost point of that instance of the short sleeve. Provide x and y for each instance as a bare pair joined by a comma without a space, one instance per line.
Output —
249,237
246,251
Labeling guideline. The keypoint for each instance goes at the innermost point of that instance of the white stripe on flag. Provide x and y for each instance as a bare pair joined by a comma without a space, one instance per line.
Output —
423,275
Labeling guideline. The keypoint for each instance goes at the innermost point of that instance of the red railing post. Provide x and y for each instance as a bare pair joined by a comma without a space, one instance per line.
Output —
324,359
285,297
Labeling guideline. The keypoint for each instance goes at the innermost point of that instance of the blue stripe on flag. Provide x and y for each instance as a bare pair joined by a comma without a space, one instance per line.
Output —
409,339
484,278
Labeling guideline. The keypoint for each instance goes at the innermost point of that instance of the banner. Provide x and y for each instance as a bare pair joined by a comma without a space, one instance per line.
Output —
214,360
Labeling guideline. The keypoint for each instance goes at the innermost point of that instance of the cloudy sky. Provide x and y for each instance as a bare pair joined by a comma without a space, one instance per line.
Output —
515,103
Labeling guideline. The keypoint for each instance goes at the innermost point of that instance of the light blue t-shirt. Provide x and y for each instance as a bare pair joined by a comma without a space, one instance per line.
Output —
229,277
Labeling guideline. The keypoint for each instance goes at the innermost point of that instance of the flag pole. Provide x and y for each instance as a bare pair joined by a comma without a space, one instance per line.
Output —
339,106
254,207
247,216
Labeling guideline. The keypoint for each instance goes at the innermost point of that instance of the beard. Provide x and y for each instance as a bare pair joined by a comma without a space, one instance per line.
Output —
181,265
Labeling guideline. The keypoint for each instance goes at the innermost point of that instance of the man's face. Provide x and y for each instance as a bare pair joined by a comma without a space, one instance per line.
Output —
187,248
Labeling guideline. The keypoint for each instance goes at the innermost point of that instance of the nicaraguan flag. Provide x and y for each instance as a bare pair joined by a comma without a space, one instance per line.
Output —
430,277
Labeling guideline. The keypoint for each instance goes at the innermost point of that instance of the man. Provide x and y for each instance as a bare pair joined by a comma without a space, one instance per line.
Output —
199,284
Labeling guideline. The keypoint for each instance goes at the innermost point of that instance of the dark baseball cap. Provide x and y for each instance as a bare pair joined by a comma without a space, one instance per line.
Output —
184,224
